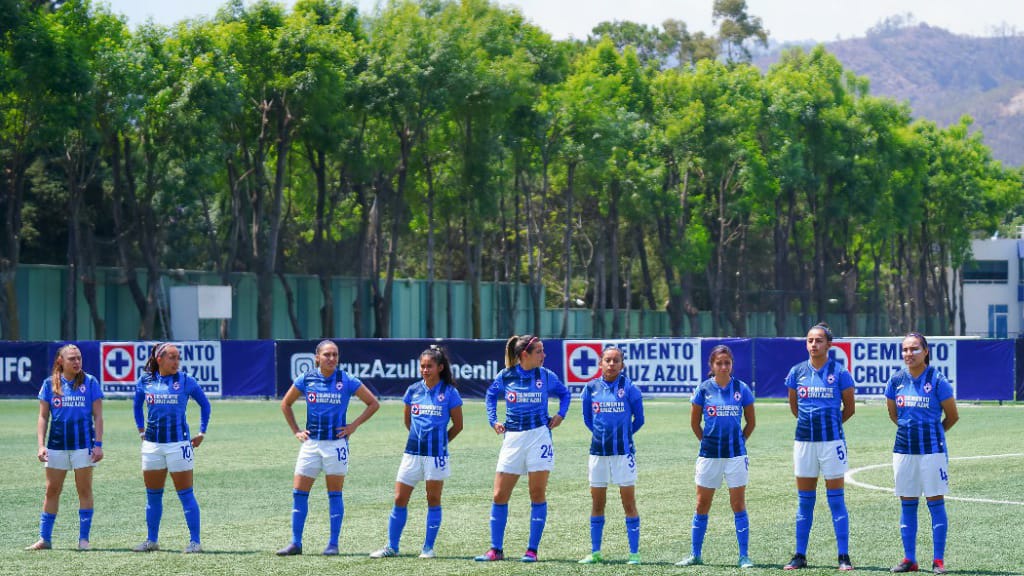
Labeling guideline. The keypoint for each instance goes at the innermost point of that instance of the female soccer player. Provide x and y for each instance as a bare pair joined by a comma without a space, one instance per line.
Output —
527,447
327,391
429,405
166,444
725,404
918,397
613,411
75,401
821,398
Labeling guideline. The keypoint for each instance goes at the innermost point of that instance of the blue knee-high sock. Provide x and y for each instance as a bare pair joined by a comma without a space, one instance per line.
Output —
697,531
434,516
940,527
300,509
742,522
46,521
191,508
908,528
154,511
499,517
596,532
804,518
336,508
84,523
538,518
840,519
633,533
396,523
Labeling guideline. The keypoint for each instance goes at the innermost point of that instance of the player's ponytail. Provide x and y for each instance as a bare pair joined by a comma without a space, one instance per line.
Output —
154,353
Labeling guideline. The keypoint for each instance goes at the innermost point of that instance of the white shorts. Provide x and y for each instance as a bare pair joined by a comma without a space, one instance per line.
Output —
828,459
174,456
69,459
711,471
921,474
416,468
331,456
618,469
527,451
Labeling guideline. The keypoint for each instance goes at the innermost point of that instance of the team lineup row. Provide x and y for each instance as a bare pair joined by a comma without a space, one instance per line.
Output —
821,397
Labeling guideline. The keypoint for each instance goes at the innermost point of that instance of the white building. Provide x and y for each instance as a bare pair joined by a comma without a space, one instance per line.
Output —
994,288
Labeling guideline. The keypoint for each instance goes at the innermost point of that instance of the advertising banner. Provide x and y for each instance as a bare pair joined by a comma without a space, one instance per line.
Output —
122,363
388,367
23,366
658,366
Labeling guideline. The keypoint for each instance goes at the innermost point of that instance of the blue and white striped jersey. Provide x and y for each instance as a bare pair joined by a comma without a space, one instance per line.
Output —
71,423
165,398
327,399
526,395
613,412
919,411
431,412
722,408
819,400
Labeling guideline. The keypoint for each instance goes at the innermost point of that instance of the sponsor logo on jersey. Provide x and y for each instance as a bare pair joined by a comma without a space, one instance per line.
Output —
723,411
610,407
510,396
815,392
908,401
311,398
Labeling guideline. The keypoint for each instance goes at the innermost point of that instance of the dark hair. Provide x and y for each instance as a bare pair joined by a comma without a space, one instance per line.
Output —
613,347
440,357
720,349
156,352
924,344
824,328
58,369
320,345
516,345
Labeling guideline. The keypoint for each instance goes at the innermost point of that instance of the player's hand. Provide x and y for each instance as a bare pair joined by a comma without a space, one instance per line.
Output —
499,428
43,455
302,435
554,422
197,440
348,431
97,454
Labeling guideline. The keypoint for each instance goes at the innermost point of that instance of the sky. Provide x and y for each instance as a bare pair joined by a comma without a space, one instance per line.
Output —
786,20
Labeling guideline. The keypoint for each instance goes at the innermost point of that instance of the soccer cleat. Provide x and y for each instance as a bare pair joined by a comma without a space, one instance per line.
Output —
529,556
192,548
331,550
592,558
292,549
690,561
492,555
634,559
799,561
83,544
746,562
147,546
938,567
905,565
845,565
385,552
40,545
428,553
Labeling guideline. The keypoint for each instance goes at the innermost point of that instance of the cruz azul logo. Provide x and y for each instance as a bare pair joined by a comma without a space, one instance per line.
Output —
582,362
118,360
510,397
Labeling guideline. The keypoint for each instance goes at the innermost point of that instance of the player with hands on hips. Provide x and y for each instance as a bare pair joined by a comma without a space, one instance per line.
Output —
71,405
325,439
167,446
429,406
613,411
921,403
527,447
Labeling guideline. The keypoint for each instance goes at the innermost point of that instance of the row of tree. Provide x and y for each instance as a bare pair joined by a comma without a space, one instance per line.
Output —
644,168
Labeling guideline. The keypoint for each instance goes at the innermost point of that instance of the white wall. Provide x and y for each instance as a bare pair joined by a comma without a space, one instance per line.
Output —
978,297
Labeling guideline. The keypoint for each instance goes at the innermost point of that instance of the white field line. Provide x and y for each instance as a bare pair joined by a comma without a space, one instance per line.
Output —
850,479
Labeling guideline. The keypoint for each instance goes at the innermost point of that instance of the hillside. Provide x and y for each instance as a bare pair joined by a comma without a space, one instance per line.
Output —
944,76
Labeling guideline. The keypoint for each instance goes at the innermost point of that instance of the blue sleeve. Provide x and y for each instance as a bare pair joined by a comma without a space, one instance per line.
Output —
140,399
556,387
698,397
300,383
353,384
588,408
636,405
845,380
747,396
943,389
45,390
454,398
199,396
491,400
407,397
95,390
890,387
791,378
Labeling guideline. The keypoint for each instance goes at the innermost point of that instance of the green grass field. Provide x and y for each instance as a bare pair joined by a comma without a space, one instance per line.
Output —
243,483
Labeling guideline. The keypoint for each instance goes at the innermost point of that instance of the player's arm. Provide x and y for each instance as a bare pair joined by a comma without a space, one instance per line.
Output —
848,404
407,417
696,412
749,421
204,412
41,423
290,397
891,405
97,419
372,405
137,403
456,416
637,408
491,403
952,414
587,407
793,403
